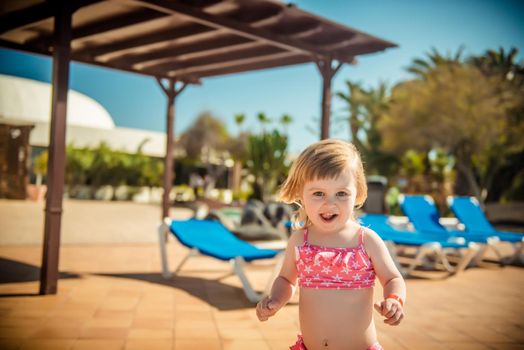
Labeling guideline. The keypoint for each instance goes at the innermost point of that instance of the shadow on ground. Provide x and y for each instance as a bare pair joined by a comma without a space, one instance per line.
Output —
222,296
12,271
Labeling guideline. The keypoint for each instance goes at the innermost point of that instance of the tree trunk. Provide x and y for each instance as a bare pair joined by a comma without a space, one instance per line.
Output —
468,178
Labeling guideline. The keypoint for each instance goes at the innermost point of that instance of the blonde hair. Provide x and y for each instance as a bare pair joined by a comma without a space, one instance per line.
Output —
325,159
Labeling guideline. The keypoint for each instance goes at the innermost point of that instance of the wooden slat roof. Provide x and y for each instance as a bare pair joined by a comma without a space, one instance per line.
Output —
186,40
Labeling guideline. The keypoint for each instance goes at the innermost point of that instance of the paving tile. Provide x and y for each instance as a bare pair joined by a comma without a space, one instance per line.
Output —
10,344
506,346
194,329
146,333
16,332
239,333
98,344
104,332
235,344
47,344
280,344
8,321
153,322
466,346
197,344
56,332
113,314
58,321
280,333
109,322
149,344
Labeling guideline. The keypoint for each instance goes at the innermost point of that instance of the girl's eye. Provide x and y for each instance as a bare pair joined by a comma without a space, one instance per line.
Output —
318,194
342,194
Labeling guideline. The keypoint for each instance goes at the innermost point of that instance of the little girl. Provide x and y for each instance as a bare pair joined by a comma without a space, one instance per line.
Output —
334,259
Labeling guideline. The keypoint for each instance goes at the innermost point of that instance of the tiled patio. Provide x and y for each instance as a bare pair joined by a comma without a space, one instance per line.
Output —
111,295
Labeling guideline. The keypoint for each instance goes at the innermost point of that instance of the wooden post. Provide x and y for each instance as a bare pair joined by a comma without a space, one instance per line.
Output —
171,93
56,162
327,71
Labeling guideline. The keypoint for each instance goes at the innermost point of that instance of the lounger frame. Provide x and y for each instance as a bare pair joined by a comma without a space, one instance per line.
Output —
238,265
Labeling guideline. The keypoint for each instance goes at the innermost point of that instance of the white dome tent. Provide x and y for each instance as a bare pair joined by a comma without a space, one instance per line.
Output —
25,112
28,102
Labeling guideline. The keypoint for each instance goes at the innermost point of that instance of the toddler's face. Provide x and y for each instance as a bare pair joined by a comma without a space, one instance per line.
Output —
329,203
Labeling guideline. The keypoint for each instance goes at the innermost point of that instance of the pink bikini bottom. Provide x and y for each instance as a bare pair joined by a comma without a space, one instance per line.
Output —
299,345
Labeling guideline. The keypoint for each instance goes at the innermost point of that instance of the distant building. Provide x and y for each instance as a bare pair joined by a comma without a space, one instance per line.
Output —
25,112
28,102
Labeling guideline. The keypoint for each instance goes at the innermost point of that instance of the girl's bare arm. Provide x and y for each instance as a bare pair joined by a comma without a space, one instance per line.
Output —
394,287
284,285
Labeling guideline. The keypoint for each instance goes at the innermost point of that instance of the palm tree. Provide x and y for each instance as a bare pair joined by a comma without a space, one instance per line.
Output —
263,119
286,120
500,62
420,67
240,118
505,169
355,98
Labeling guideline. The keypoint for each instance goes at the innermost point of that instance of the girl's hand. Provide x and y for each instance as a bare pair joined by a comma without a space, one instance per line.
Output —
392,310
267,308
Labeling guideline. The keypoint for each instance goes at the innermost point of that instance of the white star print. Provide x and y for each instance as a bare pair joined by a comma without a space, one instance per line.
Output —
326,269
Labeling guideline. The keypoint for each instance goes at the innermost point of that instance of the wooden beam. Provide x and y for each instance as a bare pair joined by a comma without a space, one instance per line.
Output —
24,48
36,13
56,163
363,48
327,71
200,48
147,39
104,25
171,92
247,67
256,54
26,16
235,27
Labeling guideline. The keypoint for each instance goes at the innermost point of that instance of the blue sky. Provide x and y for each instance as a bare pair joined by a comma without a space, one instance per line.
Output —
416,26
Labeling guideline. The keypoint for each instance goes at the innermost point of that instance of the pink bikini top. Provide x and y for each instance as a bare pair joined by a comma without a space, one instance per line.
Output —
334,268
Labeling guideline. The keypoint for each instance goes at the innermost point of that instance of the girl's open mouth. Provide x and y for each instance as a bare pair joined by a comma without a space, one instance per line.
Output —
328,217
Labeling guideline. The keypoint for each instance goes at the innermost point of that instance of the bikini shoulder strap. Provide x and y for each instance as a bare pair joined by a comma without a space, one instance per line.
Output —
361,235
305,235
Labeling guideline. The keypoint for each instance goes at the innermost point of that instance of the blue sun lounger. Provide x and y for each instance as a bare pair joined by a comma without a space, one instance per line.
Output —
423,214
471,215
212,239
426,244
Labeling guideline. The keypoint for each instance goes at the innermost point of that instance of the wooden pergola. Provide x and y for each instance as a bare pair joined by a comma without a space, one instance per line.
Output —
178,43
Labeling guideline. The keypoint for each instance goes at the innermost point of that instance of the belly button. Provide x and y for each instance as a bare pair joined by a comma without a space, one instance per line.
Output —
325,343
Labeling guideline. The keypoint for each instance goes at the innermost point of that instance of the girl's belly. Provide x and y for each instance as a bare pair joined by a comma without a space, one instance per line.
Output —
337,319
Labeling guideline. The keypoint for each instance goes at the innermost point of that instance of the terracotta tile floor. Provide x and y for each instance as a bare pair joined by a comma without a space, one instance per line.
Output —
111,296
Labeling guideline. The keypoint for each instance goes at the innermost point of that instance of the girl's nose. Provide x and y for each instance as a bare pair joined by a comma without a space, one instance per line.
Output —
330,200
